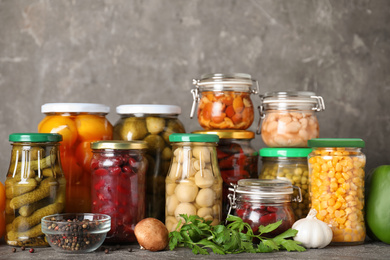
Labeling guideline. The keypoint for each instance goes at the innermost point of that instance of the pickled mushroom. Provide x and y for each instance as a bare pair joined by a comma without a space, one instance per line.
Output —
184,208
132,129
155,125
202,212
186,192
171,204
204,178
202,153
206,197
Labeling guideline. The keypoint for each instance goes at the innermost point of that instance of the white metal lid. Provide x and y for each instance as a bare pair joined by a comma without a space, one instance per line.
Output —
148,109
75,107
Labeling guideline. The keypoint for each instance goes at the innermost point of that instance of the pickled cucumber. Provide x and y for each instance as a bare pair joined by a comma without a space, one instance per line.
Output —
13,236
155,125
15,188
132,129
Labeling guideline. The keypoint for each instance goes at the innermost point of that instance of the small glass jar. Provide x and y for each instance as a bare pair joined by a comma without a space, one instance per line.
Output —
263,202
224,101
289,164
35,187
288,118
152,124
79,124
336,173
118,186
237,159
194,183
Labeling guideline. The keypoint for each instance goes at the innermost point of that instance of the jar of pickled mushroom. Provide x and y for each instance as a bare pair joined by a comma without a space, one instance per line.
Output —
35,187
194,183
224,100
336,173
237,159
289,118
79,124
263,202
289,164
152,124
118,186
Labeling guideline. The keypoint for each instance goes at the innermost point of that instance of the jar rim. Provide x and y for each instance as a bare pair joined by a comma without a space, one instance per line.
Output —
263,187
228,134
239,82
148,109
74,107
35,137
119,145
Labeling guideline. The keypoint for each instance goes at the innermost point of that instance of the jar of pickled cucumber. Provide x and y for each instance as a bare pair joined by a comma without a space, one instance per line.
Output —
289,164
118,186
35,187
194,183
79,124
224,100
237,159
336,174
152,124
288,118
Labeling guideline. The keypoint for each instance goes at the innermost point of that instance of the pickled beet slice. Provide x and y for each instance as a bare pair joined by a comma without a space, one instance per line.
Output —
101,172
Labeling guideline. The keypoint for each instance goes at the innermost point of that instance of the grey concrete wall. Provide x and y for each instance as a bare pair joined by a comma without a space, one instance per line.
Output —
127,52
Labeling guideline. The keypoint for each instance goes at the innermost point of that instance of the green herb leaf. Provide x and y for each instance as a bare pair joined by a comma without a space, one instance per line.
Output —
270,227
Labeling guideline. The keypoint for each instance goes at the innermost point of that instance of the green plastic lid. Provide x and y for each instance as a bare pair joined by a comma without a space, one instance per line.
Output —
336,142
285,152
176,137
35,137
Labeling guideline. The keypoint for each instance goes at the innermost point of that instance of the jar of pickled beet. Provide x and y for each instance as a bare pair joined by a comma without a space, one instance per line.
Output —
336,173
152,124
224,100
194,183
289,164
237,159
34,187
118,186
288,118
263,202
79,124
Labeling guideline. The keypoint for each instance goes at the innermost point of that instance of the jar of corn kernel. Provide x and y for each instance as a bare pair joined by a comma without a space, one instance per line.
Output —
336,174
289,164
288,118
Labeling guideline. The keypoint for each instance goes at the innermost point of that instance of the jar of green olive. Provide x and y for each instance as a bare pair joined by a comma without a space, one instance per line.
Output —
288,164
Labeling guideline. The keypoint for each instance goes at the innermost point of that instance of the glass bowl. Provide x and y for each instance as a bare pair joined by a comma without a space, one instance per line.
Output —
76,232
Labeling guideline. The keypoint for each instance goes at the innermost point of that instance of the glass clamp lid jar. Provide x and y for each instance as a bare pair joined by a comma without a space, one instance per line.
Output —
336,172
35,187
262,202
224,100
152,124
288,118
193,184
118,186
289,164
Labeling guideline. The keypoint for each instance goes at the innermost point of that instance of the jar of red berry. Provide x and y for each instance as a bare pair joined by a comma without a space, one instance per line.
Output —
263,202
118,185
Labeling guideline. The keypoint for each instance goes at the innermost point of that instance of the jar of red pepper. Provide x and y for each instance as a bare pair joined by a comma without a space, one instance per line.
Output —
118,186
237,159
262,202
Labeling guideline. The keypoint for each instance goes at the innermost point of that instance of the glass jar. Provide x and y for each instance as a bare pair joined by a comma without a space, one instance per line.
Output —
194,183
289,164
153,124
79,124
118,186
263,202
336,173
35,187
224,100
288,118
237,159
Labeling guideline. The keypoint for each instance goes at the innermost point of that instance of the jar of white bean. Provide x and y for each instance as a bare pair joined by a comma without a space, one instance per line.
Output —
288,118
193,184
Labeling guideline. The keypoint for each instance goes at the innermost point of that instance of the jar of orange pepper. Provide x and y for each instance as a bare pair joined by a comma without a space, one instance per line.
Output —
336,173
79,124
224,100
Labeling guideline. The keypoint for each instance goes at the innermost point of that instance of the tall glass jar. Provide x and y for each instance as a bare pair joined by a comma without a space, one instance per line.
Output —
79,124
262,202
289,164
237,159
336,170
289,118
224,100
194,183
35,187
153,124
118,186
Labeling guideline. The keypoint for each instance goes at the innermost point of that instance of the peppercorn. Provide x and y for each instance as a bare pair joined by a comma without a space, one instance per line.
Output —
23,248
106,251
31,250
13,250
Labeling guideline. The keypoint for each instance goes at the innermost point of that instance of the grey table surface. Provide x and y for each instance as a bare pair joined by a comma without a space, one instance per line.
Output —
369,250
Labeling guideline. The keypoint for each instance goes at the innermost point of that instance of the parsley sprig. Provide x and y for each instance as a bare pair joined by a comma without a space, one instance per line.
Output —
236,237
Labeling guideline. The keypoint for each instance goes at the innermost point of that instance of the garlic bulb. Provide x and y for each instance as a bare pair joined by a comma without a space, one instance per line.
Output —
312,232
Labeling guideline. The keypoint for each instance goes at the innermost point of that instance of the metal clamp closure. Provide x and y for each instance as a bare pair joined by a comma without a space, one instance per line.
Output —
261,113
257,89
320,106
299,197
232,200
195,96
